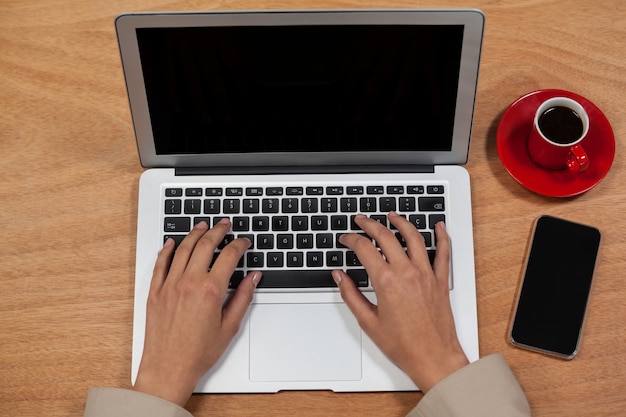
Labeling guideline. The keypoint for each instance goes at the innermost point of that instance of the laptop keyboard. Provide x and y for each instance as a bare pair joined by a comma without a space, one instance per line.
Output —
294,230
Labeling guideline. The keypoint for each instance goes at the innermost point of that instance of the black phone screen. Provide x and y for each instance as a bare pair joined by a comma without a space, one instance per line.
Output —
555,288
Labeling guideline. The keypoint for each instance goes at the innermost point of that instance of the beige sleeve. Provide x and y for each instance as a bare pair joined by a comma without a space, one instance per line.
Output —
117,402
486,387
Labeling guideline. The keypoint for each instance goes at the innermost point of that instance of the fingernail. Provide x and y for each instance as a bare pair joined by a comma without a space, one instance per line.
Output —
256,277
201,225
169,242
224,220
392,214
442,225
336,276
360,216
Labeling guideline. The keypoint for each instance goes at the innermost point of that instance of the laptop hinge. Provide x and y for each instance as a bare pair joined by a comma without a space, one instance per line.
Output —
267,170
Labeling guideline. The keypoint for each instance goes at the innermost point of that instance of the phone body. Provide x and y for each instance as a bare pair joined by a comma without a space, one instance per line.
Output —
553,295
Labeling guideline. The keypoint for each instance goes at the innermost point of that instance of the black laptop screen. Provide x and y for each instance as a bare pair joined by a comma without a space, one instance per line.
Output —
301,88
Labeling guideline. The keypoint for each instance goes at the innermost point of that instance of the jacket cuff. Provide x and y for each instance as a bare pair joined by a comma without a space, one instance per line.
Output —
485,387
118,402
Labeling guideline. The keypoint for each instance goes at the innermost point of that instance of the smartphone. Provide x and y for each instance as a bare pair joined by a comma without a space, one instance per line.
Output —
553,295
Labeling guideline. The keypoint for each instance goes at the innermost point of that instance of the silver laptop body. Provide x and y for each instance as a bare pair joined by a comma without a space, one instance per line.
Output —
281,106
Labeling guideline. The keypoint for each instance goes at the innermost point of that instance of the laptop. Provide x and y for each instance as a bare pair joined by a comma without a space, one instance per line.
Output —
290,123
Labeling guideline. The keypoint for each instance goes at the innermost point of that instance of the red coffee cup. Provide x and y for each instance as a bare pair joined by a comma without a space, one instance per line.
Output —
559,127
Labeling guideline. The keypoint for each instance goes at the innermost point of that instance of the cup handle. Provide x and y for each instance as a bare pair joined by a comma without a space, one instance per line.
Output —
578,159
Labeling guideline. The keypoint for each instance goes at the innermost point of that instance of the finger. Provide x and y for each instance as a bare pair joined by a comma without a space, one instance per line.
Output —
441,265
415,245
383,236
227,261
364,311
162,266
365,250
185,249
236,308
202,255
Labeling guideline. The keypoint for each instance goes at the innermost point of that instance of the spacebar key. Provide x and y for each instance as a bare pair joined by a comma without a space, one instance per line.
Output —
306,278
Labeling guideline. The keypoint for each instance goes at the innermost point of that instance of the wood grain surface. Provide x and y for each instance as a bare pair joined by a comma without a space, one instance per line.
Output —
68,192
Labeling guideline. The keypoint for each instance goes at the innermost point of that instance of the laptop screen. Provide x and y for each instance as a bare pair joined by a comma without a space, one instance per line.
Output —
302,88
315,88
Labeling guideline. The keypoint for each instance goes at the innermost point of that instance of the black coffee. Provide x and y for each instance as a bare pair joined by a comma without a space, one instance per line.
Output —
561,125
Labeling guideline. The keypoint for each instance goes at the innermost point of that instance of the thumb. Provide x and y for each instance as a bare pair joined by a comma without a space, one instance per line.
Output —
236,308
364,311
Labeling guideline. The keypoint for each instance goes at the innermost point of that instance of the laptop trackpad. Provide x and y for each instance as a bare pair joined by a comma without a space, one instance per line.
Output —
304,342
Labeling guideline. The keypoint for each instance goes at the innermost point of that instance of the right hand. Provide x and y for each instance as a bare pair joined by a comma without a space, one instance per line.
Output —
412,322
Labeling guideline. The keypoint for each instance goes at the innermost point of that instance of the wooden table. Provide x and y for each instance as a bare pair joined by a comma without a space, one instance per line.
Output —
68,191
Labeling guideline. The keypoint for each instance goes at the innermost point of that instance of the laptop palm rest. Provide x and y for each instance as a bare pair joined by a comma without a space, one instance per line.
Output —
304,342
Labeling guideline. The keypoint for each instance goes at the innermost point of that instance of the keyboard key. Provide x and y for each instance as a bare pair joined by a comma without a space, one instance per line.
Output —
295,259
304,241
368,204
299,223
173,206
193,192
334,258
387,204
289,205
314,190
211,206
280,223
334,190
254,191
269,205
173,192
348,205
406,204
428,240
375,189
265,241
339,222
324,240
260,223
177,224
213,192
380,218
354,190
197,220
352,259
255,259
192,206
435,189
284,241
415,189
241,224
418,220
251,205
433,219
309,205
227,239
294,191
431,204
307,278
314,259
273,191
275,259
319,223
231,206
177,239
329,205
395,189
234,191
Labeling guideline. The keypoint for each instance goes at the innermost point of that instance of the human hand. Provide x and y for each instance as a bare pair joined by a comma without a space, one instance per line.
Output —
188,326
412,323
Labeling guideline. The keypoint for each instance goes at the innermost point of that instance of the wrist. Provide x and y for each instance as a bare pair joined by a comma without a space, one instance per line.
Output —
166,388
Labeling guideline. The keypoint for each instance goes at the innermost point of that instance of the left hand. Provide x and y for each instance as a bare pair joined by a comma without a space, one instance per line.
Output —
188,326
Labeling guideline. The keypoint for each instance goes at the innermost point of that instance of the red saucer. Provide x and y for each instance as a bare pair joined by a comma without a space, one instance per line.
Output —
512,134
